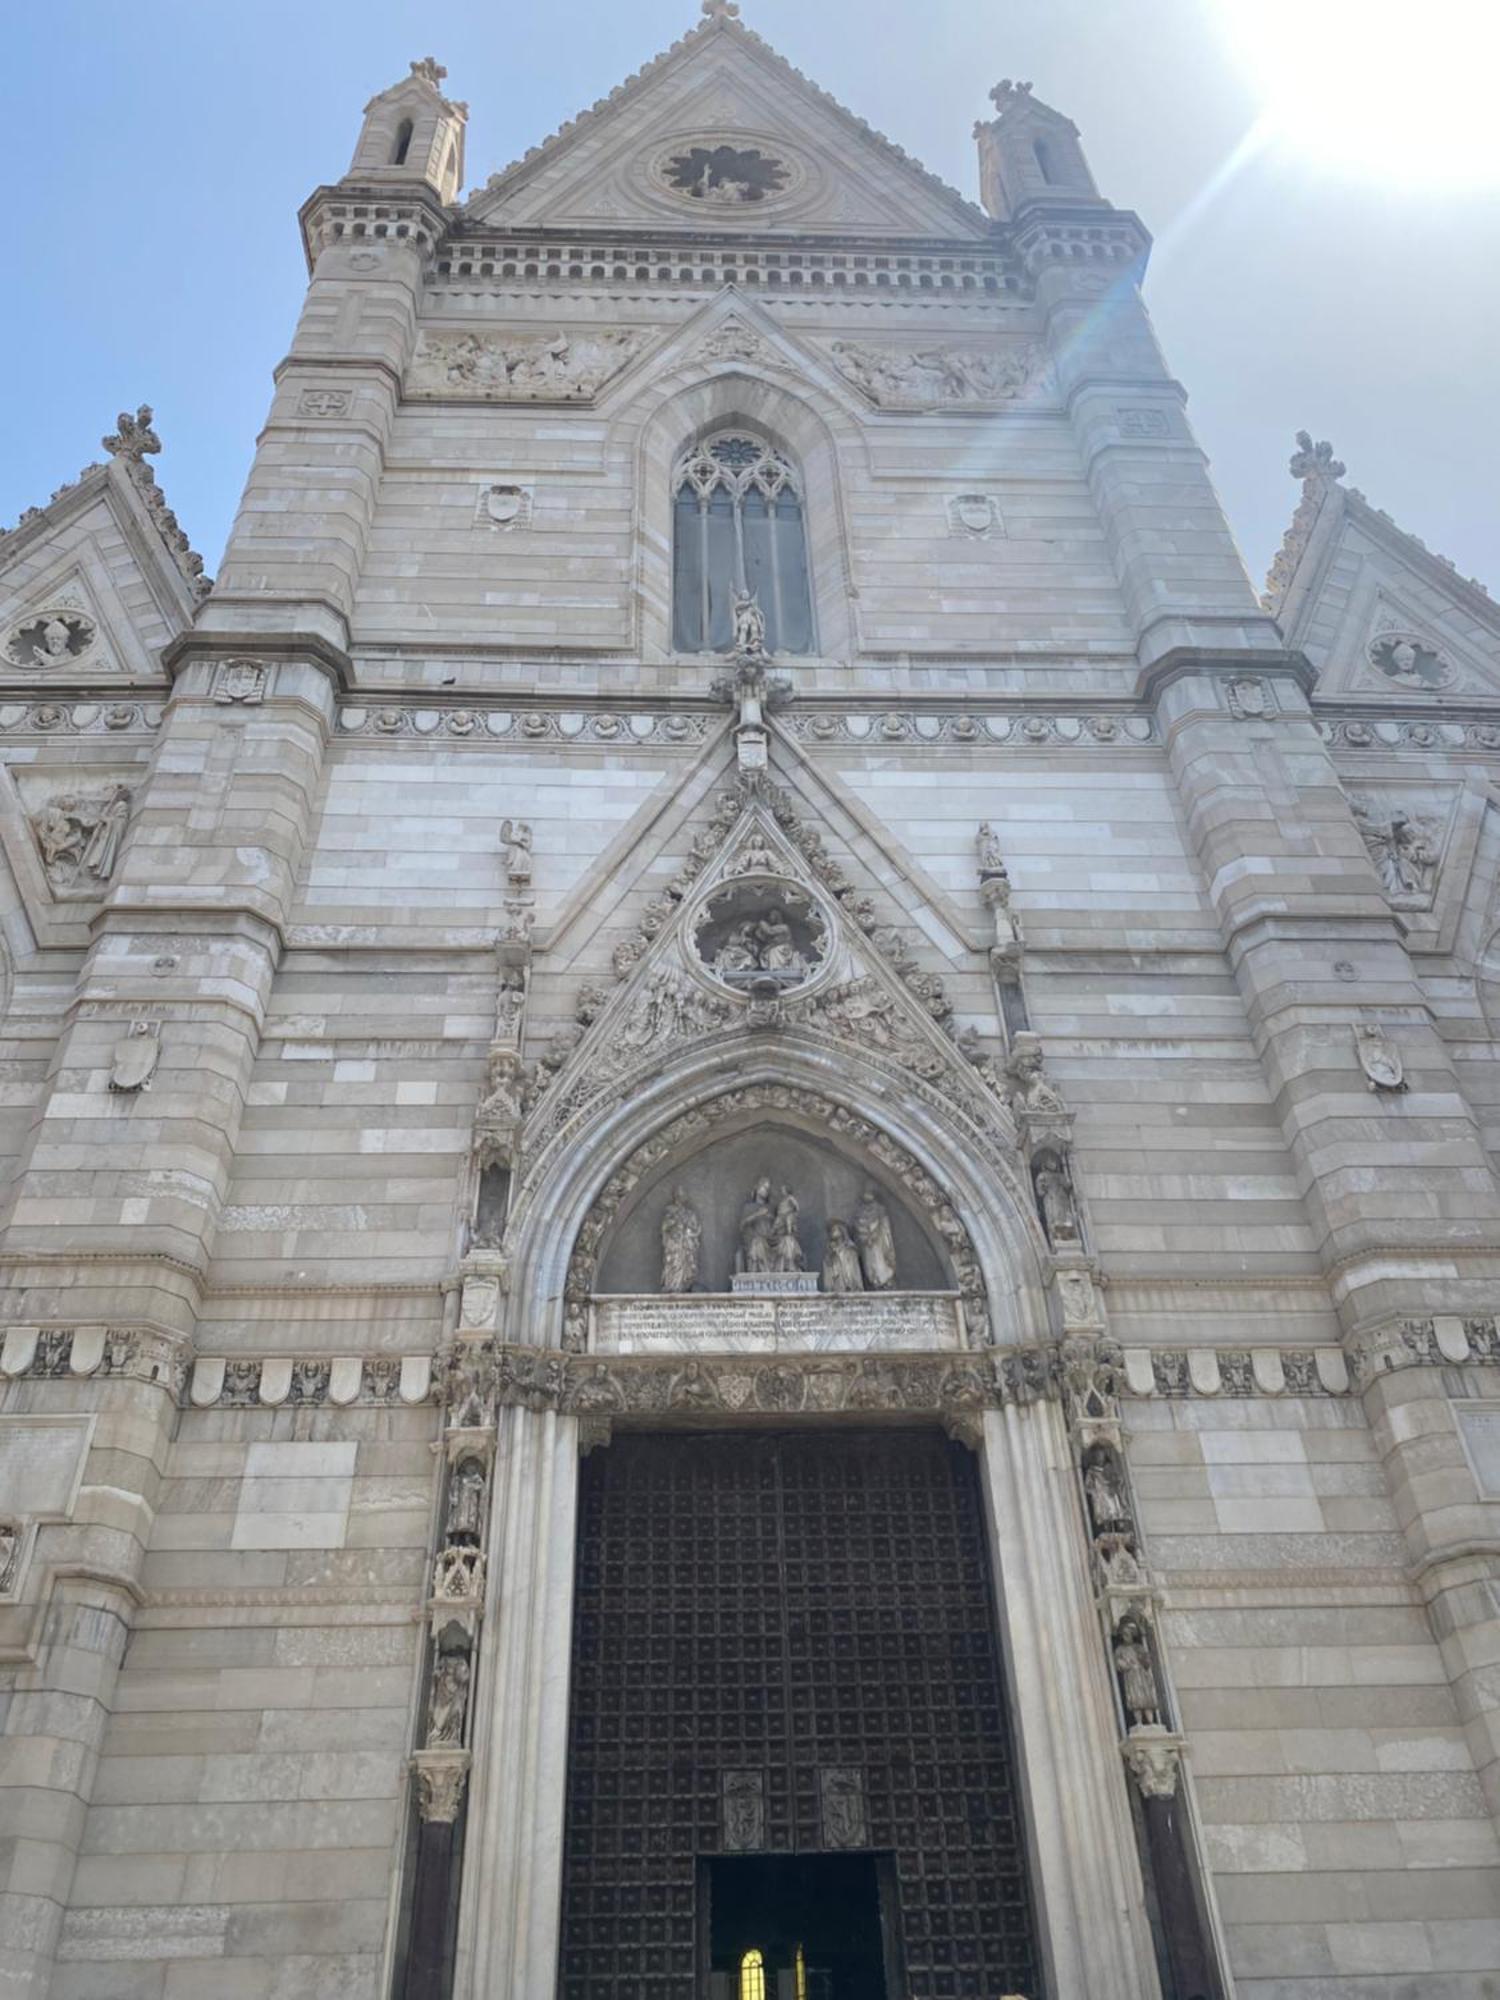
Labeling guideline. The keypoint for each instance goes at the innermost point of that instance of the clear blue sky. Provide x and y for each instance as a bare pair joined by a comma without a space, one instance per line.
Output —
167,145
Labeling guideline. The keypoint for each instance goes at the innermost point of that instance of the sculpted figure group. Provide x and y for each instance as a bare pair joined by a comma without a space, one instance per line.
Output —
858,1255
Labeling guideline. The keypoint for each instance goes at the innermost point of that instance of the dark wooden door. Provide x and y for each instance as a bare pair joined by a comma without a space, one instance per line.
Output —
805,1619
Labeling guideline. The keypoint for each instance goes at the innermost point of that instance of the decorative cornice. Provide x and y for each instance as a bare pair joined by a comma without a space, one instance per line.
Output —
374,218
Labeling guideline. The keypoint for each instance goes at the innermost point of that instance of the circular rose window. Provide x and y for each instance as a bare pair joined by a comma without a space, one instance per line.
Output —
712,172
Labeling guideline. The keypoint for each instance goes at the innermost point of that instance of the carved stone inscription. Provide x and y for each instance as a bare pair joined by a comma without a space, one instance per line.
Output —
889,1320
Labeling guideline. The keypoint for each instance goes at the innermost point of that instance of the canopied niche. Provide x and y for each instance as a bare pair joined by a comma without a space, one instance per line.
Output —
718,1184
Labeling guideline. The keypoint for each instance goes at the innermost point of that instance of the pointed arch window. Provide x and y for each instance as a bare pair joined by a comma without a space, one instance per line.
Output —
403,143
738,525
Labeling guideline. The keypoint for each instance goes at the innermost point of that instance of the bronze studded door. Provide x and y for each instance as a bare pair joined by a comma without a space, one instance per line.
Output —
786,1645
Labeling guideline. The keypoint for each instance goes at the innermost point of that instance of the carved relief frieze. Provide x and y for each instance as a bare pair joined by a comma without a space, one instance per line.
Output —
943,376
1357,732
562,727
556,367
919,727
77,718
79,835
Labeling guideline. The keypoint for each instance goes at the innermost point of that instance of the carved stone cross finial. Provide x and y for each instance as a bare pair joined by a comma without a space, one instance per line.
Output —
720,10
430,70
1006,92
1315,461
132,437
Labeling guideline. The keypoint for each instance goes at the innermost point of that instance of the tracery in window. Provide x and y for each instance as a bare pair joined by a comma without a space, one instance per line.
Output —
738,526
753,1976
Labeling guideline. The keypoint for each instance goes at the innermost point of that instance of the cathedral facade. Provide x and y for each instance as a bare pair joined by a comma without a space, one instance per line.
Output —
750,1240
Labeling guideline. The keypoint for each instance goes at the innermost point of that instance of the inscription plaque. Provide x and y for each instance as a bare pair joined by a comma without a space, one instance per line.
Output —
715,1324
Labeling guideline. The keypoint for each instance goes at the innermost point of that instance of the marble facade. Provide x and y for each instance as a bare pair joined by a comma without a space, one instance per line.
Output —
1131,936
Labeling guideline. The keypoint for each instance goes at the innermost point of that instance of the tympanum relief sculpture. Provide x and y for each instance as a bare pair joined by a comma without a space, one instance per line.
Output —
80,835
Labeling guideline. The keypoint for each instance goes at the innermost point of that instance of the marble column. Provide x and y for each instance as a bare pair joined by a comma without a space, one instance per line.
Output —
1092,1904
510,1908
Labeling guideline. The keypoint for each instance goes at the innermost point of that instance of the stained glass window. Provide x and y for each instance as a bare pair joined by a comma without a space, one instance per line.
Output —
753,1976
738,526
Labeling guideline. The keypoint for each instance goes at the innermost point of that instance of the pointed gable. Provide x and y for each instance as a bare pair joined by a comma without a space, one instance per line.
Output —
1376,612
102,563
721,132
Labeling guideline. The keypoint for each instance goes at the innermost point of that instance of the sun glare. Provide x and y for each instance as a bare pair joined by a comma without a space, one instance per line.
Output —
1399,91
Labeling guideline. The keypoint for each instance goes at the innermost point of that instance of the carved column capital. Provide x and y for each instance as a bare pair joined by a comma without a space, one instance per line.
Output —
441,1776
1153,1756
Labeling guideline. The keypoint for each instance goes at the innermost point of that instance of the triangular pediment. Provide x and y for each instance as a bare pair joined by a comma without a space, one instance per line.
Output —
824,961
1379,615
722,133
88,593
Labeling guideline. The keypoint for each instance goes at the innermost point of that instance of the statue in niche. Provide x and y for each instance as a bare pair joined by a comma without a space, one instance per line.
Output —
449,1699
515,840
1106,1499
510,1000
991,860
749,626
681,1240
757,1231
1054,1200
1137,1675
466,1502
841,1265
786,1240
877,1246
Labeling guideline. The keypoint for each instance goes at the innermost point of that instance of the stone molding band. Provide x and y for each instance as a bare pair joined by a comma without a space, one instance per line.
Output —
926,1382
